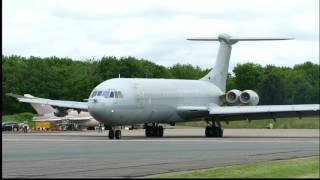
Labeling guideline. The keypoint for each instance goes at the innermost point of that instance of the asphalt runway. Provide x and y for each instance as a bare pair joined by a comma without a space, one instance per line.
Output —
92,155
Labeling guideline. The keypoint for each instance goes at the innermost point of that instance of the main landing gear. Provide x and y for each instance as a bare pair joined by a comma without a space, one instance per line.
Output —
154,131
214,130
114,134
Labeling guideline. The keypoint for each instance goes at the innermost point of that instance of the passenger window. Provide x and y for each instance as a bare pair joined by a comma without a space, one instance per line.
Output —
112,94
93,94
120,94
105,94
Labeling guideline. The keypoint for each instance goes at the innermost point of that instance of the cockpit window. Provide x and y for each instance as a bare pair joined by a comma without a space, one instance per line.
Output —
112,94
106,93
109,93
99,93
93,94
120,94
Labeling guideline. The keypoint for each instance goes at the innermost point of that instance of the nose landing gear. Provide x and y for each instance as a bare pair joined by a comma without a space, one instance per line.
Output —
114,134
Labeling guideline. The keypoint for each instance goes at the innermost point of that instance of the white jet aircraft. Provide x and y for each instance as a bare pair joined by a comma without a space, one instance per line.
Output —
48,114
126,101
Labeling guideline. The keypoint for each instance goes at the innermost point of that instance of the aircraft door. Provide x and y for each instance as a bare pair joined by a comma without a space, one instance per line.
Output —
139,96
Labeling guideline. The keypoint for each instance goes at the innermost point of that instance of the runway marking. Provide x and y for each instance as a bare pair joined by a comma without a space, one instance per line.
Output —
151,140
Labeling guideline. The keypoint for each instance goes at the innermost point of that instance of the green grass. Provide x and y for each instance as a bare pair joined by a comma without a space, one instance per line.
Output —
294,168
20,118
281,123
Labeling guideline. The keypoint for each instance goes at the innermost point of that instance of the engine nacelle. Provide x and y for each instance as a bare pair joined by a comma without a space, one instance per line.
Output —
59,112
233,96
249,97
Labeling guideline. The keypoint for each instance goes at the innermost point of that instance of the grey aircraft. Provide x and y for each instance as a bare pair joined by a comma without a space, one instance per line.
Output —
125,101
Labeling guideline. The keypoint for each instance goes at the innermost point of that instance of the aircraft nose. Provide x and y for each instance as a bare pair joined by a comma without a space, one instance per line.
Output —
99,109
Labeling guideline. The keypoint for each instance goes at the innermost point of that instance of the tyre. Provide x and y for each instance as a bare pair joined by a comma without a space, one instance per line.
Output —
118,134
207,131
155,131
148,131
212,132
111,134
160,131
220,132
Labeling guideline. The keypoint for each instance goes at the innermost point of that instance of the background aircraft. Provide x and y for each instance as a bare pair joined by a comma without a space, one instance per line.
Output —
48,114
125,101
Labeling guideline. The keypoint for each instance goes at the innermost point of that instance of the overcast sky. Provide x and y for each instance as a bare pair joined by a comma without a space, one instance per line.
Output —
156,30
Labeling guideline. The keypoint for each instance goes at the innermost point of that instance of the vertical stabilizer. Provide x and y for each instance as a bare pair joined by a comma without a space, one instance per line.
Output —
219,72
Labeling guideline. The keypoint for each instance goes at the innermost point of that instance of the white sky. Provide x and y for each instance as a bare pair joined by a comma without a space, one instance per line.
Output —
156,30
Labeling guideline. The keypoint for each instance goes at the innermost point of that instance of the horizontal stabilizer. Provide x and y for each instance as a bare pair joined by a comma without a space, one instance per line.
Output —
233,39
240,39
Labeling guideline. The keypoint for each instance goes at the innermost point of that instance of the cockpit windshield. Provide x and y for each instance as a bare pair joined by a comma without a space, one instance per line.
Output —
99,93
106,93
109,93
93,94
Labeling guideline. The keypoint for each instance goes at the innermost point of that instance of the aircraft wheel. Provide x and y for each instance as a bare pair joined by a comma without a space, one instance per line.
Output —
207,131
118,134
111,134
155,131
213,131
220,132
148,131
210,132
160,131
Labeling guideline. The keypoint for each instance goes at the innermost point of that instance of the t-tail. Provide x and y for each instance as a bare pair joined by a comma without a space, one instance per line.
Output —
218,74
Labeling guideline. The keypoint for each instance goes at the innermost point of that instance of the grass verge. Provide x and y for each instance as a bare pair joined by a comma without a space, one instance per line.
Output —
293,168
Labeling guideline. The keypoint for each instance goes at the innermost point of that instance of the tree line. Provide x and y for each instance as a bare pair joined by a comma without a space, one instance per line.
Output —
67,79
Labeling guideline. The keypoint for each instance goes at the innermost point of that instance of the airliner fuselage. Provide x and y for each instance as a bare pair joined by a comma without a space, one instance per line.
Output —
125,101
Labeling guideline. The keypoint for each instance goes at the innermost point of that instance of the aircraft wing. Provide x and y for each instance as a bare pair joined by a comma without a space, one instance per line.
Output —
58,103
234,113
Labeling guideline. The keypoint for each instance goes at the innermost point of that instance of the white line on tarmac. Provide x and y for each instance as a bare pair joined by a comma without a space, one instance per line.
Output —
151,140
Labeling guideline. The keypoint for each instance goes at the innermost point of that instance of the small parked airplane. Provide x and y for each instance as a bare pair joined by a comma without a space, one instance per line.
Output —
48,114
125,101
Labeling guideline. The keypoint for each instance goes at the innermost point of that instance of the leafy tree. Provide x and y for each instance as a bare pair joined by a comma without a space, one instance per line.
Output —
248,76
272,91
65,78
181,71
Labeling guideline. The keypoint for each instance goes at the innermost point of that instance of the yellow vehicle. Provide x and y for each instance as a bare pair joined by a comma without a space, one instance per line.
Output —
43,125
